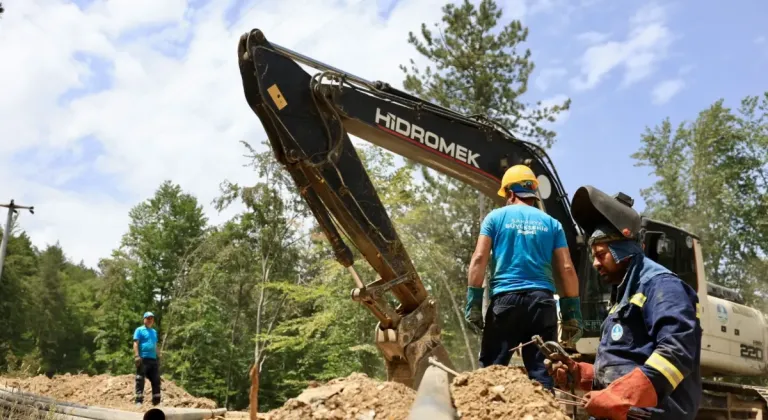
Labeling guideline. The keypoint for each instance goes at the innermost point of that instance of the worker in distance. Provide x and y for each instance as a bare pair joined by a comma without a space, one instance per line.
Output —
145,356
526,245
650,343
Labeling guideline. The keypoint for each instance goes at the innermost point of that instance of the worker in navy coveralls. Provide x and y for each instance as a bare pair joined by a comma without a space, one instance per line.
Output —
650,345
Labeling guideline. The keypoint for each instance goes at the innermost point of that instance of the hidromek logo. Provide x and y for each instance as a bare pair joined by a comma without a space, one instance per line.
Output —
413,131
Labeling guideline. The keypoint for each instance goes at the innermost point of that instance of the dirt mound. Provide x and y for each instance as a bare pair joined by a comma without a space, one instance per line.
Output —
500,392
355,397
104,391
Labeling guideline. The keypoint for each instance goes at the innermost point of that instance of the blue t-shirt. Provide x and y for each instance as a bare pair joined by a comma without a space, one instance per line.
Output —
523,240
147,338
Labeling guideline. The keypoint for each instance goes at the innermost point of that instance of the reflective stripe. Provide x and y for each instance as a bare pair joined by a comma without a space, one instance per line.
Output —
613,309
660,363
638,299
698,310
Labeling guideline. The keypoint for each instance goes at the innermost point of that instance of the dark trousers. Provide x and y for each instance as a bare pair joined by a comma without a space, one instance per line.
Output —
150,369
512,319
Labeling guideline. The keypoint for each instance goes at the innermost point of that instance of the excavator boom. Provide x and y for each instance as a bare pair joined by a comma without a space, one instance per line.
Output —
308,119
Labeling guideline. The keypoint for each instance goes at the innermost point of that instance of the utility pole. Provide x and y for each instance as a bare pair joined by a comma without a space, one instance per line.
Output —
7,232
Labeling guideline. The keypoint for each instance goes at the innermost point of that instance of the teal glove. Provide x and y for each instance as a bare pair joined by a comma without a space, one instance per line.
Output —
573,324
473,311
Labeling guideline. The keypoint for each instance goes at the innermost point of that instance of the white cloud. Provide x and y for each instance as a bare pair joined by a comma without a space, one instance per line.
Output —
665,90
549,76
161,117
639,54
593,37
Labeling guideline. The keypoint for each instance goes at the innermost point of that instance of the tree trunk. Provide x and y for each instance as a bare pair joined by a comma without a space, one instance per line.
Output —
460,318
486,291
233,340
253,395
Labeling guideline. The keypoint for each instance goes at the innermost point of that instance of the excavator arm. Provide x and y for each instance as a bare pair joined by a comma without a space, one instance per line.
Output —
308,119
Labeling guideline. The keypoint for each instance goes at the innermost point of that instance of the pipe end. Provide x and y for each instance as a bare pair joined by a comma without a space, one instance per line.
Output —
154,414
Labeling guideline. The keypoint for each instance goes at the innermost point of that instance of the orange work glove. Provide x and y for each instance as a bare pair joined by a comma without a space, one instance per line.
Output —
631,390
581,374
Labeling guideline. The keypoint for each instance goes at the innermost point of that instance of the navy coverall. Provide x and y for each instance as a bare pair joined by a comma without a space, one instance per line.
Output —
655,326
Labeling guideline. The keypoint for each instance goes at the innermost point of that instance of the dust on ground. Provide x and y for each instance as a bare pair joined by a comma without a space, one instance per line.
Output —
355,397
105,391
503,392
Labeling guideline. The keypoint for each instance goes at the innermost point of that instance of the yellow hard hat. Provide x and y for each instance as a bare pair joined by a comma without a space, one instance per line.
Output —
519,174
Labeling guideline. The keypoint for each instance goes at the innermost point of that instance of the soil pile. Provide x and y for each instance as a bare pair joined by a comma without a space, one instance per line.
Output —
501,392
356,397
105,391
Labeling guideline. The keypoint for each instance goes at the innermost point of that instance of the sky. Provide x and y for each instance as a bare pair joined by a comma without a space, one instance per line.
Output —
102,100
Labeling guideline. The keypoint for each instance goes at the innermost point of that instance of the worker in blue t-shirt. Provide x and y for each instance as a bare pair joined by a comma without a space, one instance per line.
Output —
526,245
146,359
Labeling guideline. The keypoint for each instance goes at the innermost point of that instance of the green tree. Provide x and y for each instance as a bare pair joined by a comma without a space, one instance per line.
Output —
163,229
116,315
16,304
712,180
52,311
237,287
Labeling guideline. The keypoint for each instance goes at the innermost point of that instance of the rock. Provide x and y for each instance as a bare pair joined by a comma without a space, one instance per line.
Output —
312,395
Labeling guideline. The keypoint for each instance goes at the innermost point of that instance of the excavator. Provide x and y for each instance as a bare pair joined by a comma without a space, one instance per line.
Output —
308,120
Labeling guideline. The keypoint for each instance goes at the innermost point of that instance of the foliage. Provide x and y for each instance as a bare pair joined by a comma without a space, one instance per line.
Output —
161,232
713,181
479,70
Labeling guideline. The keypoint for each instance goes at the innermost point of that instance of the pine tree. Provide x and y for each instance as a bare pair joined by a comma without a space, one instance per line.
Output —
479,72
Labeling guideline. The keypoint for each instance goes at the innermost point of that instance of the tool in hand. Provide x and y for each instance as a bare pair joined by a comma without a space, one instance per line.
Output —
556,353
521,346
553,351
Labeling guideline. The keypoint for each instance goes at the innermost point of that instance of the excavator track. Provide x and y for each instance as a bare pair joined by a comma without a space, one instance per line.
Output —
726,401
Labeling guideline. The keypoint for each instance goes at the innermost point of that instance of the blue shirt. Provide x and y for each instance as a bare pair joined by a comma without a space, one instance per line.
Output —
147,338
523,240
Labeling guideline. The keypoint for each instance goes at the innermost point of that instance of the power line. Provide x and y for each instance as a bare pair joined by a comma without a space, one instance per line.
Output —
12,209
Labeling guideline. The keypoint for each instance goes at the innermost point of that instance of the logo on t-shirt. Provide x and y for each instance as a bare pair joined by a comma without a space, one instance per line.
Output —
527,227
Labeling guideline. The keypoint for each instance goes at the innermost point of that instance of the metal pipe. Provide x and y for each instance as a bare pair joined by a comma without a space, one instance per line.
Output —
93,413
40,402
37,397
14,408
318,65
433,398
170,413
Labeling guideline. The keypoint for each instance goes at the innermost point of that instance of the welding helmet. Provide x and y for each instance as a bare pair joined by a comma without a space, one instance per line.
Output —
592,207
